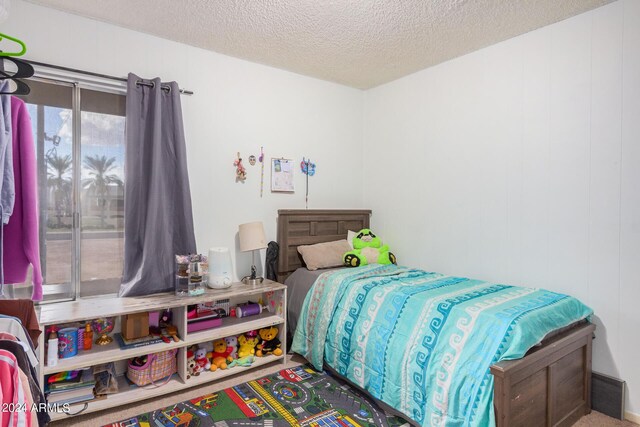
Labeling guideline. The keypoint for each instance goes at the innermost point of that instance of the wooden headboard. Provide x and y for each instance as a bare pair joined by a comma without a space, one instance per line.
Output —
308,227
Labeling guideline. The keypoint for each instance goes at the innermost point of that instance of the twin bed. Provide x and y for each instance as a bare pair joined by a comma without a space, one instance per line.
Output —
440,350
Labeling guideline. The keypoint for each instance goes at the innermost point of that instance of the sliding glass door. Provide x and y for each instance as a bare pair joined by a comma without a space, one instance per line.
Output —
79,137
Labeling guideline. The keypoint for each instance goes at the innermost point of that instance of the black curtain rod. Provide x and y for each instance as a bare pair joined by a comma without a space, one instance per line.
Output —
104,76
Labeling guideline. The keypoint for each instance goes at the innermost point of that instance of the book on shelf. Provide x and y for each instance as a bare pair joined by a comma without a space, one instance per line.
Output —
82,387
81,378
137,342
71,396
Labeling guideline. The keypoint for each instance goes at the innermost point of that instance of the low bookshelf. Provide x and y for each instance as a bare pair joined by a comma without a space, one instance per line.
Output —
270,293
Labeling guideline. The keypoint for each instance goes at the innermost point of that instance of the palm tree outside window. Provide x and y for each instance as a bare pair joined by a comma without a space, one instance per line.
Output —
59,182
101,178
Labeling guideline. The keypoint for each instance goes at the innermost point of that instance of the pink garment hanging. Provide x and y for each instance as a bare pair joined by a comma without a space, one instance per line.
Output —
12,393
21,244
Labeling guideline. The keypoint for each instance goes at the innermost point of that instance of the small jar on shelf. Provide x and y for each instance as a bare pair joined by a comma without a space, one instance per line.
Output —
88,337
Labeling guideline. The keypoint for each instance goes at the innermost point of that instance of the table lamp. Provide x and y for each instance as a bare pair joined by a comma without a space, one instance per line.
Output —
252,239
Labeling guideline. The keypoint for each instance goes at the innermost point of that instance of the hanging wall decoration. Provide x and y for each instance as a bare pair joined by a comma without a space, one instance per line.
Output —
241,172
252,160
309,169
282,175
261,160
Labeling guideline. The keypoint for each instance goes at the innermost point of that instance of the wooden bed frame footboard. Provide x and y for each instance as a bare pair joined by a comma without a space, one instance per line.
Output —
550,386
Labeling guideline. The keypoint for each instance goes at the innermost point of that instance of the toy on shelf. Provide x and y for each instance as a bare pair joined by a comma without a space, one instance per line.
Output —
172,331
233,343
270,343
191,365
220,355
165,318
139,361
202,363
250,309
102,327
158,333
62,376
248,342
243,361
165,329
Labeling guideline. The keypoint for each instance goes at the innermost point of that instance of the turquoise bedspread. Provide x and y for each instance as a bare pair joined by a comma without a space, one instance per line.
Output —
423,342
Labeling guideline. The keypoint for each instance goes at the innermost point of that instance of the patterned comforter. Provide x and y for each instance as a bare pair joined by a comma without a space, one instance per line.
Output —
423,342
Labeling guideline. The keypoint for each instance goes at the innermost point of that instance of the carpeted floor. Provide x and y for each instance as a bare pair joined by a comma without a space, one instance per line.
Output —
596,419
123,412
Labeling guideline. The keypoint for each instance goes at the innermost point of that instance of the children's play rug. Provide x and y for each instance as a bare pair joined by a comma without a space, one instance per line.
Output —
292,397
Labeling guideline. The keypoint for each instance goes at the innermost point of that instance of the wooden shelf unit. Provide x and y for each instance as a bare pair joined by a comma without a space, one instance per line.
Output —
272,293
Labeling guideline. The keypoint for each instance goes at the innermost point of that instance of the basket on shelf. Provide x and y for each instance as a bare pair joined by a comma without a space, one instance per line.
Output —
158,366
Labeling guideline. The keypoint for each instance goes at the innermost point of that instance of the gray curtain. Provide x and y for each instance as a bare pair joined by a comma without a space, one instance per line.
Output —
158,217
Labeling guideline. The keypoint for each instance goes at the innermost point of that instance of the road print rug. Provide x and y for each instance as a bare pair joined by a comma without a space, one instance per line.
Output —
298,396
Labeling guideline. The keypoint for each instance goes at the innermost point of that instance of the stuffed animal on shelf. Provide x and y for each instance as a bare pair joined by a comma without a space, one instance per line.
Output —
270,343
165,318
202,363
191,365
220,355
248,342
368,249
243,361
233,343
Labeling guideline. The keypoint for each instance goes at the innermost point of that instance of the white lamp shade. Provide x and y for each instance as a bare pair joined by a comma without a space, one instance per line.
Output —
252,236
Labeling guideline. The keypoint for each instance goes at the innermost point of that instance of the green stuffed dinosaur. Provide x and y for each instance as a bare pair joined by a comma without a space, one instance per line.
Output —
368,249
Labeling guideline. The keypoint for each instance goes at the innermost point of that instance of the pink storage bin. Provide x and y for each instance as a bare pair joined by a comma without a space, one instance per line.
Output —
203,324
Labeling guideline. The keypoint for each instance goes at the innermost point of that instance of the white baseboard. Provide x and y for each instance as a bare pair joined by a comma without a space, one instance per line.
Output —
630,416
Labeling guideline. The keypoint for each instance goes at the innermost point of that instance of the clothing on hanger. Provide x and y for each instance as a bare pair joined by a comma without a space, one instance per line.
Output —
9,337
36,393
28,398
7,190
23,310
29,385
21,244
12,392
12,326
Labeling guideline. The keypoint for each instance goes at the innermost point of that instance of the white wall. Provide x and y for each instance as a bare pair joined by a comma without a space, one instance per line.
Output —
520,163
237,106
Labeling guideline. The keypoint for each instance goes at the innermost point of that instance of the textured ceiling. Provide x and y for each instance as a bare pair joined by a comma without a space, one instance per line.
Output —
360,43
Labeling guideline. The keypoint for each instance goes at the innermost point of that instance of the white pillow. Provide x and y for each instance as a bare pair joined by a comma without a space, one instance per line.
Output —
324,255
